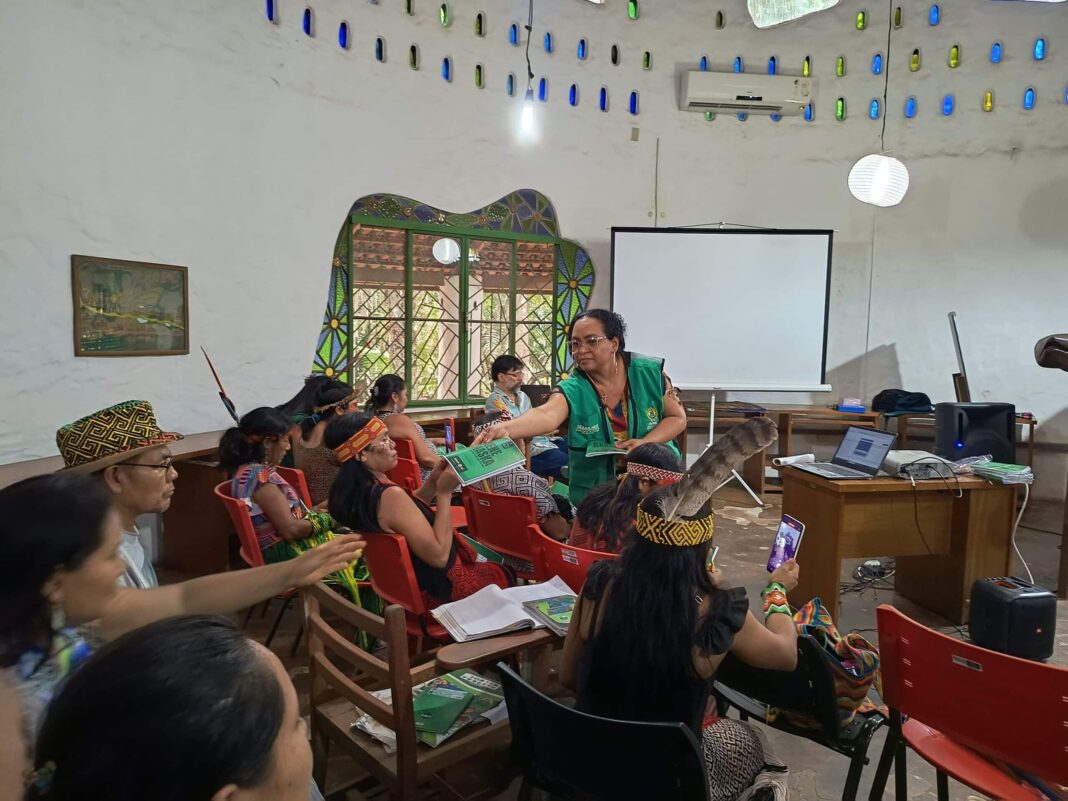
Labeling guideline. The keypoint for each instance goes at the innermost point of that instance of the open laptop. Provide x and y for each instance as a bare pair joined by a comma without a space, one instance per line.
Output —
860,455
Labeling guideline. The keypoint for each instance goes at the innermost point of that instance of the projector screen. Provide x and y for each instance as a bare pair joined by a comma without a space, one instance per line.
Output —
727,309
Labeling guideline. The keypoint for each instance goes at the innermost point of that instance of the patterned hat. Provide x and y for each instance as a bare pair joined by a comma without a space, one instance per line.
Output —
680,514
112,435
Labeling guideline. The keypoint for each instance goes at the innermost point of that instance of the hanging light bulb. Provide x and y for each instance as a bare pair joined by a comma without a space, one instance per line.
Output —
879,180
526,118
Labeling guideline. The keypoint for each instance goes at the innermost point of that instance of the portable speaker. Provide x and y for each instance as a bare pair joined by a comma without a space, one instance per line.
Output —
1014,617
974,429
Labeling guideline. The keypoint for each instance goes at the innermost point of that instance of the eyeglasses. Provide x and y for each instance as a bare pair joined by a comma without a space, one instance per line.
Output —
589,342
165,465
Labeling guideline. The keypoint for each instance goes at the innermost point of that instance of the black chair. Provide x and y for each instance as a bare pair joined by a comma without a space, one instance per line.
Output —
807,690
578,757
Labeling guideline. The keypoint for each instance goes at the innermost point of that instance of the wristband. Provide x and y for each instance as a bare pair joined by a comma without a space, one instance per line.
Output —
775,602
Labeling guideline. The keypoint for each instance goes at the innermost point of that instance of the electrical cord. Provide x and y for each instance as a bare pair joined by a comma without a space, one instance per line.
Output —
530,29
1012,538
958,493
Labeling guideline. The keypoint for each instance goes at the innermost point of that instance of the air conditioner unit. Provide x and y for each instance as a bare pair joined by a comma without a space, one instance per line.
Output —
737,92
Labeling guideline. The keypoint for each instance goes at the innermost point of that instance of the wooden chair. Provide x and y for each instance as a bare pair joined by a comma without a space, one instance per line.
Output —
252,556
570,754
948,697
501,522
393,577
807,690
569,562
342,676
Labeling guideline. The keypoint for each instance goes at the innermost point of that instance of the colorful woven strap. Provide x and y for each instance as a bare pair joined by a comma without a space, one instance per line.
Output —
360,440
680,533
653,473
775,602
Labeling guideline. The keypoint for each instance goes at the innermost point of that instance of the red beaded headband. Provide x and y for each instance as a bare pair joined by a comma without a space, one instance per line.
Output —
654,473
360,440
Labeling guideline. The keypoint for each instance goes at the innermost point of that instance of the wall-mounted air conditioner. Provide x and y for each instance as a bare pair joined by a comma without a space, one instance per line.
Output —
732,92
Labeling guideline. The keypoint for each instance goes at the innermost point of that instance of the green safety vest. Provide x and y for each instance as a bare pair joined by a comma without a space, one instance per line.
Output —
588,420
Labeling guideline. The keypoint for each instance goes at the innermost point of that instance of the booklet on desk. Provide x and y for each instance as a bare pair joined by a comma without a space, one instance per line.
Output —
492,611
476,464
604,449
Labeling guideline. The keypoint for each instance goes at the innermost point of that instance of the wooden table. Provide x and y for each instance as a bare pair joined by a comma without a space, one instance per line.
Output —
967,538
787,418
926,420
538,644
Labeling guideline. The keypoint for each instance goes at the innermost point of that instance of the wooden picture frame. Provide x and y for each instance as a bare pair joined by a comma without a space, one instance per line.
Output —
129,308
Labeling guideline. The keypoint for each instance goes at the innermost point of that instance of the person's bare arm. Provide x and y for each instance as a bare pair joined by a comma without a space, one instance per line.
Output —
398,513
544,419
223,593
428,490
276,507
773,644
403,427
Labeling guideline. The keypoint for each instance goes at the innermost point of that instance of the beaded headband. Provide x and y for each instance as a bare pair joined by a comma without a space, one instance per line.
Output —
680,533
360,440
653,473
337,404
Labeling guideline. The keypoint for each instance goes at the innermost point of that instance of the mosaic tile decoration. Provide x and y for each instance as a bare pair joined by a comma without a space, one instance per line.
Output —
524,211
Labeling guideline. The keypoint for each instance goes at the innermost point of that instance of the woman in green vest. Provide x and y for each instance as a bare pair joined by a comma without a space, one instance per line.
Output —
612,398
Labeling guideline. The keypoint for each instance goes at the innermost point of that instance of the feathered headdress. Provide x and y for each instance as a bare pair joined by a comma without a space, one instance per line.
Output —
680,514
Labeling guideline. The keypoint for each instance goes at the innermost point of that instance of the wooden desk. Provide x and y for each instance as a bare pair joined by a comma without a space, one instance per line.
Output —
538,643
967,538
789,417
926,421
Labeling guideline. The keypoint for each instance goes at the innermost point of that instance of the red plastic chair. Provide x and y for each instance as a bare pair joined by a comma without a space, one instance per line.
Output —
569,562
958,697
393,577
405,449
251,554
501,521
295,478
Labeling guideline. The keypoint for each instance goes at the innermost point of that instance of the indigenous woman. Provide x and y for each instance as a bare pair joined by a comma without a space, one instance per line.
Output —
365,500
612,398
605,517
321,399
651,627
389,399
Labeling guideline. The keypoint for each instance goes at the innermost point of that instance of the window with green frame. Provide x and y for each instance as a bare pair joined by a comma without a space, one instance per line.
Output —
437,306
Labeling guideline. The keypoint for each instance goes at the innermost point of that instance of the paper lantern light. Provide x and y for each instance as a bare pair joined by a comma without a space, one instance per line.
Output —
879,180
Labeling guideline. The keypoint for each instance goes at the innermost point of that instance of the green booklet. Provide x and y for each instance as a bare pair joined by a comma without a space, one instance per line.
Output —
483,461
604,449
437,707
555,612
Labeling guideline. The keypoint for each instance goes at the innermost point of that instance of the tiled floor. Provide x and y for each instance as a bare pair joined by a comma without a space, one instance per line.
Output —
743,534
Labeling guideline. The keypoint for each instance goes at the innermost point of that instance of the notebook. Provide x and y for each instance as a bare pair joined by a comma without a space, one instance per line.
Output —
492,611
437,707
554,612
480,462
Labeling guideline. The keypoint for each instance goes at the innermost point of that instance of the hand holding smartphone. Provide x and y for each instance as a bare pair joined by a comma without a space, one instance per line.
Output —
787,541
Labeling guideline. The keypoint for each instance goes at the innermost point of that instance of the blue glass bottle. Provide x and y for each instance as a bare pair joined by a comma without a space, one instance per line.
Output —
877,64
1040,49
703,64
633,104
809,113
910,108
738,66
947,106
773,65
1029,98
934,16
995,53
572,95
582,49
543,90
874,109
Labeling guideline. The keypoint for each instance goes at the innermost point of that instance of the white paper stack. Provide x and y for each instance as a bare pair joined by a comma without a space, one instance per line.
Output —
492,611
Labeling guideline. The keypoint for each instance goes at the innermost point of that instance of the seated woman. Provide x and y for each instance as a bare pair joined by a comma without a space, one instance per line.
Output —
389,399
651,628
249,454
364,500
605,516
548,455
312,408
185,709
61,592
523,483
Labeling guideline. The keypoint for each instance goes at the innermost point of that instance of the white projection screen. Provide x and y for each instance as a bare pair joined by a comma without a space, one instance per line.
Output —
727,309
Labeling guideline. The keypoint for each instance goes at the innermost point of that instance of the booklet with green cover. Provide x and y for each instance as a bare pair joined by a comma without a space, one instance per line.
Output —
555,612
480,462
437,707
604,449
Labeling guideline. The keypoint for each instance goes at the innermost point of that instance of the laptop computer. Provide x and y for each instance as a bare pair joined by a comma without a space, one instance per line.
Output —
860,455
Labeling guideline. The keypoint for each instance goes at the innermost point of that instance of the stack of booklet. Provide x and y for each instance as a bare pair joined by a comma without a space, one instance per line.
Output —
1004,473
492,611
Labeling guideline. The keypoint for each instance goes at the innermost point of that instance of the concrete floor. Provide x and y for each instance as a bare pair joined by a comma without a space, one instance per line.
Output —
743,534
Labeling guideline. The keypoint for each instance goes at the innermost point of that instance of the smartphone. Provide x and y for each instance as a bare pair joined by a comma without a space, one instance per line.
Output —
787,541
450,438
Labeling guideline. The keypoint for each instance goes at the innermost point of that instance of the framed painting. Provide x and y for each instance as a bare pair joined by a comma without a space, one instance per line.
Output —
129,308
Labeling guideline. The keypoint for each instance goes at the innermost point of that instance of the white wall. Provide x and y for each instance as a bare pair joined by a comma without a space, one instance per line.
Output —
197,133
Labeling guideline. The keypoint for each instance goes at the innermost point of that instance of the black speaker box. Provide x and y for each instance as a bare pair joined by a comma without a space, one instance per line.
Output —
1014,617
974,429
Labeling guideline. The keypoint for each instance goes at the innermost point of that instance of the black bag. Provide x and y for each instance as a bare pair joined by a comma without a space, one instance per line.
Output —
899,401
